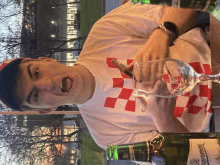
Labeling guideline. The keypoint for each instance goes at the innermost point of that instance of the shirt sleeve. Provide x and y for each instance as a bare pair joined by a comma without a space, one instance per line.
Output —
129,19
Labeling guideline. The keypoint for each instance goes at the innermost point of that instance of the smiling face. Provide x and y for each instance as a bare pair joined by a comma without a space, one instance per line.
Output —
48,84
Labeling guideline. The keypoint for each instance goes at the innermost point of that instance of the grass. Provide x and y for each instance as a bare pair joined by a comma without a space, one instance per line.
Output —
91,11
92,154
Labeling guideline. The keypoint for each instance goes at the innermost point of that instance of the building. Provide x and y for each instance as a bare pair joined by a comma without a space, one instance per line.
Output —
48,24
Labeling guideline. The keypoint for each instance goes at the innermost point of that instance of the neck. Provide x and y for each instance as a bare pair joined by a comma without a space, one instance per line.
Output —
88,84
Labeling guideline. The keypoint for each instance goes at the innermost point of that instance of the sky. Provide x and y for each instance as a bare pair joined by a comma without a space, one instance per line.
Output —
13,21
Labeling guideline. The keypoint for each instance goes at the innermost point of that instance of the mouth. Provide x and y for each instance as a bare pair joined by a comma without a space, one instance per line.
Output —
66,84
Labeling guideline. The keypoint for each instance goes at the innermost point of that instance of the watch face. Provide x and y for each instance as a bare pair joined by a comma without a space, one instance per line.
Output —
171,26
168,25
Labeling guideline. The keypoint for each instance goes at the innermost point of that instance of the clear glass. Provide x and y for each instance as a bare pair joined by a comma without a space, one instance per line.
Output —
166,78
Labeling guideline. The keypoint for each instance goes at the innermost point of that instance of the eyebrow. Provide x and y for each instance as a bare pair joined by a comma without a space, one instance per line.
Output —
29,70
30,94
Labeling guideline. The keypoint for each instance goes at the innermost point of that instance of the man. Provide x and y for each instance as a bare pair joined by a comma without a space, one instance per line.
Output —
102,93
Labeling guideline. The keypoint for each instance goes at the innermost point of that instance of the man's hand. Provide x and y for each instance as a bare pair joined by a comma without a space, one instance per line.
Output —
156,48
161,110
159,106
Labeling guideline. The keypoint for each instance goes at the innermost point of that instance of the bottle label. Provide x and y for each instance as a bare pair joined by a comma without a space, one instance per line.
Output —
204,152
131,151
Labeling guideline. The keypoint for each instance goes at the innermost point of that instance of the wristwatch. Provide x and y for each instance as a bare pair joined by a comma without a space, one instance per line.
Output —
171,29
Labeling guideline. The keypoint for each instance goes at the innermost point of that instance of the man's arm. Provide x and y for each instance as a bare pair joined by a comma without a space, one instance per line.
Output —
157,45
161,111
169,124
182,18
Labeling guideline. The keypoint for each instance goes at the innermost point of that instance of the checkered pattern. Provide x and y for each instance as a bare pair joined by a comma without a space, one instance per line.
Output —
197,102
175,80
124,98
193,102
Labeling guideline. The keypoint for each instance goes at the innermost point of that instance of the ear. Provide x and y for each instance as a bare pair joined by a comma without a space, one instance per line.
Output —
47,59
42,111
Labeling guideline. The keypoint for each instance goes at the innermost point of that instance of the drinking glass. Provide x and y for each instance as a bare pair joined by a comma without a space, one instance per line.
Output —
166,78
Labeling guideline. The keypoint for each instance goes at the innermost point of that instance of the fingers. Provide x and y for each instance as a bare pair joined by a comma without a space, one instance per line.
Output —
161,88
146,71
154,72
160,70
137,73
130,66
143,100
159,84
122,68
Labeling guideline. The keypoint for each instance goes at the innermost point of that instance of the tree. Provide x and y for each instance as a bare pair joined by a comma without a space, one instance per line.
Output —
9,9
58,48
10,22
32,146
12,45
10,133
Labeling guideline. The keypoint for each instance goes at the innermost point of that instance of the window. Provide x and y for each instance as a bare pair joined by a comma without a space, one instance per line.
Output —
70,16
71,11
70,22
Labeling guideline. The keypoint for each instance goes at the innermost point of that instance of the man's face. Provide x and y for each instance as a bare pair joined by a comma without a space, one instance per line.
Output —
47,84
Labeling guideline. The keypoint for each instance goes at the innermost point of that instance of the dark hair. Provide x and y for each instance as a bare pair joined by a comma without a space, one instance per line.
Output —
8,75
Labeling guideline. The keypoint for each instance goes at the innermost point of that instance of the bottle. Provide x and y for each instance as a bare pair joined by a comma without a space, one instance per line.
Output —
212,6
172,149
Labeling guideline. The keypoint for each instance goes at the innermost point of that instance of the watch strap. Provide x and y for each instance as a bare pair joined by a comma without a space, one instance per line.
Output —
171,29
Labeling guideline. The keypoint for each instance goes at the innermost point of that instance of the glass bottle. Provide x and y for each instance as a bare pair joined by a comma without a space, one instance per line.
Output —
212,6
172,149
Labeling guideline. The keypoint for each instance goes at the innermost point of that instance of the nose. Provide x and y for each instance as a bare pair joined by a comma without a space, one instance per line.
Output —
44,84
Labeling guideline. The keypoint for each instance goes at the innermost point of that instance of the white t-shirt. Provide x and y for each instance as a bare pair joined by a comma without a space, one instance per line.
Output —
112,114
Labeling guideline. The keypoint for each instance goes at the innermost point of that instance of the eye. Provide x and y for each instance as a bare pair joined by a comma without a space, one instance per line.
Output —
36,96
36,72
